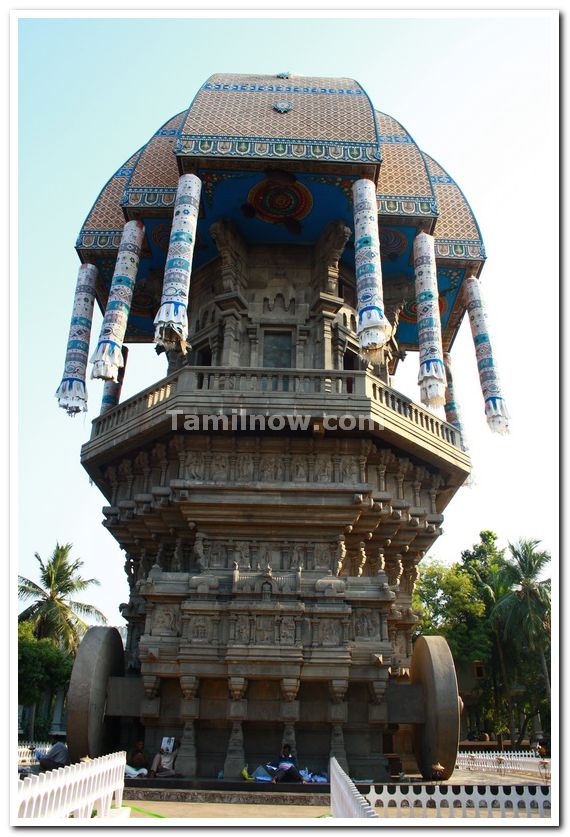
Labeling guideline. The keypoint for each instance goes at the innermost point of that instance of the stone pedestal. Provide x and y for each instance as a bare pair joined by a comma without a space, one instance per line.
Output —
235,756
186,759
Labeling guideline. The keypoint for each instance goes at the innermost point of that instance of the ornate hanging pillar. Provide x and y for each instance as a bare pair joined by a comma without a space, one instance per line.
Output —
71,393
112,390
431,377
108,358
495,405
171,321
373,328
451,407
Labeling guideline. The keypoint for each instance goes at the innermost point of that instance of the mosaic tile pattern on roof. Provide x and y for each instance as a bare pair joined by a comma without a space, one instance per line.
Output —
403,172
106,214
388,125
157,164
455,220
313,117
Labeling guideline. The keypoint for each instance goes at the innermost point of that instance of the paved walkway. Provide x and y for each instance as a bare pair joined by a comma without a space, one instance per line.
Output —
151,809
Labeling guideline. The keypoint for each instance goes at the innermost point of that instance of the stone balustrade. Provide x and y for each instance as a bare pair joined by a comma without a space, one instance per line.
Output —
505,762
316,393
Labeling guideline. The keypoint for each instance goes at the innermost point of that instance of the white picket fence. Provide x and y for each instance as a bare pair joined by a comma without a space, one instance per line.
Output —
75,791
435,800
505,762
346,801
27,748
460,800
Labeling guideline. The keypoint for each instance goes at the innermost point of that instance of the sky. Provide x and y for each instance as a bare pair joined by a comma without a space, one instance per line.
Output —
478,93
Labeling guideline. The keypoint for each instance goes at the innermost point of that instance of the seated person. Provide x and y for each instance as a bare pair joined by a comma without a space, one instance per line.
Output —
57,756
163,763
287,767
137,761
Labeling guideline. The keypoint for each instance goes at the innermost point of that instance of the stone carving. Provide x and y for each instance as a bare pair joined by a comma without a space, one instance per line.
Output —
176,565
242,629
328,250
299,469
394,571
349,469
194,465
288,630
323,470
244,467
265,629
366,624
321,556
219,467
217,555
232,250
330,632
165,621
296,557
199,629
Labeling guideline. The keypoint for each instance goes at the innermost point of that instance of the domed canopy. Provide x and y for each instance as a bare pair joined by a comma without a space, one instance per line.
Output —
278,156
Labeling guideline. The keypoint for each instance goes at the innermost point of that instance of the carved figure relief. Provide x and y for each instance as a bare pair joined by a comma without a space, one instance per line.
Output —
296,557
330,632
367,624
219,467
340,556
242,628
321,555
265,629
199,629
194,465
299,469
288,630
218,556
165,621
323,469
244,467
349,469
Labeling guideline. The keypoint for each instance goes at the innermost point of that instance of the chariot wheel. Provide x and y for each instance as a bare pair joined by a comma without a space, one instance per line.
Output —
99,657
436,740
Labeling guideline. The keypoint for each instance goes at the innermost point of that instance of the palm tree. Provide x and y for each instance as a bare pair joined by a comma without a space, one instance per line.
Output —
53,613
494,587
525,609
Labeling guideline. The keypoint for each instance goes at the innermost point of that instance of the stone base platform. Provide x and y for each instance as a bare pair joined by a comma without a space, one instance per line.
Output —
225,791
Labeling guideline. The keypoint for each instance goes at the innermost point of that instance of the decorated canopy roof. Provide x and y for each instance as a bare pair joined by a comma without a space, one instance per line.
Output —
278,156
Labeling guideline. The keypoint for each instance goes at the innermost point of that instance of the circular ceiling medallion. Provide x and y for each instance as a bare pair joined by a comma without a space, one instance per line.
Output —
392,243
409,313
277,202
282,106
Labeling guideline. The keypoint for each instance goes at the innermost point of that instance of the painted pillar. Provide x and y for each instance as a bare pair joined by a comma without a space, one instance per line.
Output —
112,389
431,376
451,407
72,393
495,406
171,321
108,358
373,328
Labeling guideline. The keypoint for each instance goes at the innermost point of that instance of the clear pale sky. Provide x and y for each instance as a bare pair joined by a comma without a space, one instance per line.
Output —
478,94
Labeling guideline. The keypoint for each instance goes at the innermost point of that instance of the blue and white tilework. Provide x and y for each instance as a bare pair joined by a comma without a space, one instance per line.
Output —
108,358
431,376
72,393
171,321
112,389
495,406
373,328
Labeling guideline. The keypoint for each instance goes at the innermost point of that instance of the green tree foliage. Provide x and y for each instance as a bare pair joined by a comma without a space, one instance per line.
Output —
41,666
53,613
449,605
494,609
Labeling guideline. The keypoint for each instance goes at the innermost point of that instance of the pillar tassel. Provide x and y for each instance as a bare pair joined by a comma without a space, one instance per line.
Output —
451,407
171,321
108,358
373,329
495,405
431,376
72,393
112,390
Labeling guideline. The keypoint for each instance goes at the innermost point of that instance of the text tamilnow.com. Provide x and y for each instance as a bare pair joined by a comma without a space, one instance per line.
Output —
241,420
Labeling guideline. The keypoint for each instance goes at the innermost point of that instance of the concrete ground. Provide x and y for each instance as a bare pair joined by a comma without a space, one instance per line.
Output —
148,808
